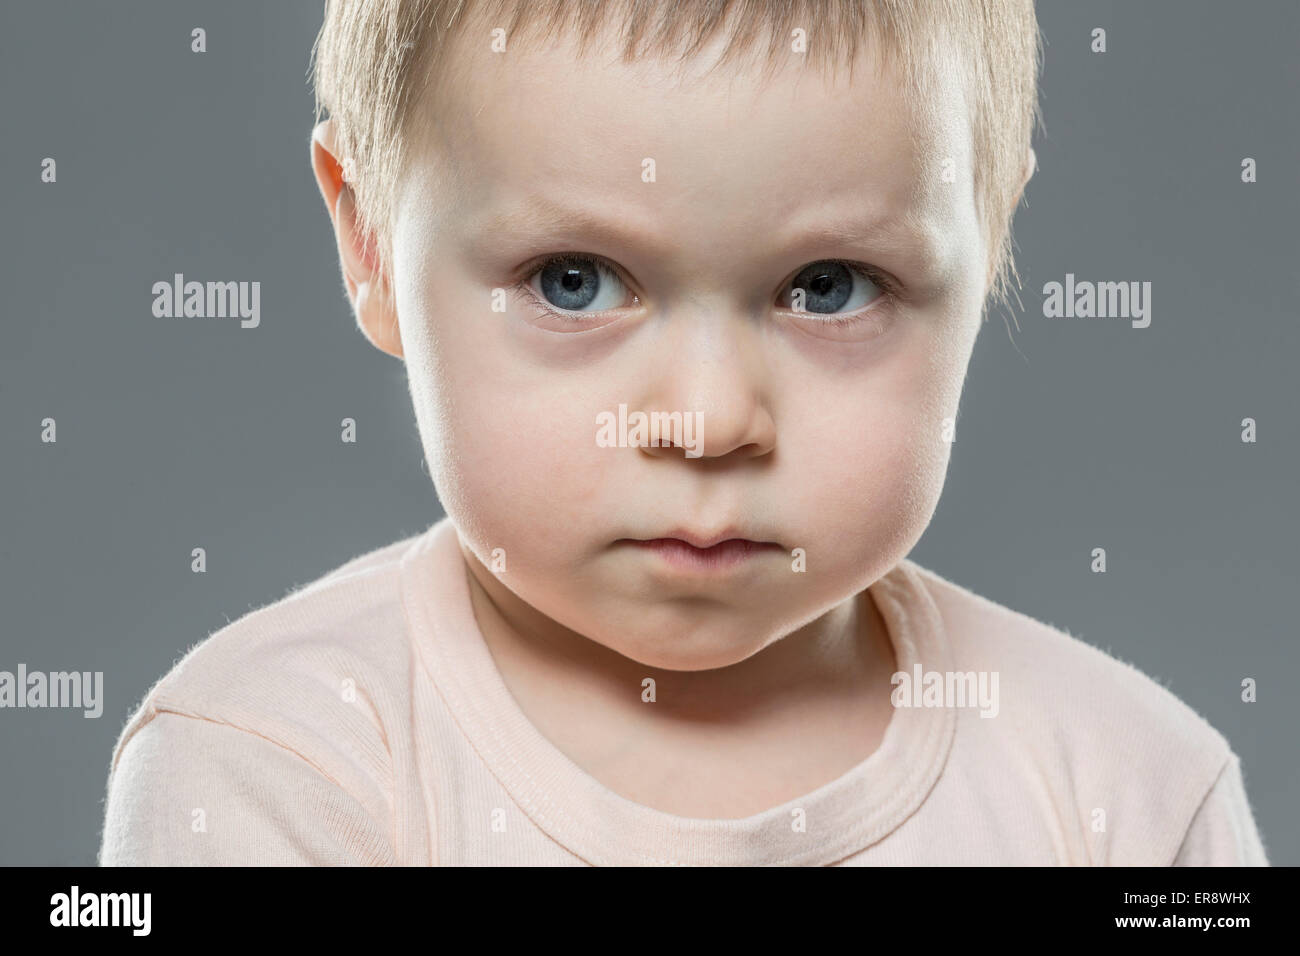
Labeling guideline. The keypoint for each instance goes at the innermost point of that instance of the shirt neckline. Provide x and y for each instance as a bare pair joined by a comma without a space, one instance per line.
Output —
604,828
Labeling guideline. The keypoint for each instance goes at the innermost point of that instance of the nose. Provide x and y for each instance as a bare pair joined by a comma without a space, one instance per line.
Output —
715,373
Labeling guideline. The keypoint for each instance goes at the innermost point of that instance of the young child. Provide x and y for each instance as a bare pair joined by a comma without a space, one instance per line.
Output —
686,294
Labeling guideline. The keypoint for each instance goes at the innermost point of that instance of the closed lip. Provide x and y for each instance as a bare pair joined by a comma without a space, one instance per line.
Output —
703,541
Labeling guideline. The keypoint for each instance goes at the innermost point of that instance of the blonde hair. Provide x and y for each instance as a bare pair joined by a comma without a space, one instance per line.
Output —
375,60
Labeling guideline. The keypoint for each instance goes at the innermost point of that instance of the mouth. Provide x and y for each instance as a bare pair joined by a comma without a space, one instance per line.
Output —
688,551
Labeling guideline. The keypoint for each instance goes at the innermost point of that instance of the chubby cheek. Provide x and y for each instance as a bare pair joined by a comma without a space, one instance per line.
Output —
512,452
866,476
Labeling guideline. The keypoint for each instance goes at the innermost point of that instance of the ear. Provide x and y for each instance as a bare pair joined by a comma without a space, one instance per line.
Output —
368,289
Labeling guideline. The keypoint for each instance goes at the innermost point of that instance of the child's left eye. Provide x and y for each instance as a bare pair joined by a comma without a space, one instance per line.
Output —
830,286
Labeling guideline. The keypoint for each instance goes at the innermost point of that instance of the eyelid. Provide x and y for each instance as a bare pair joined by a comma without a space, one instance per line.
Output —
530,269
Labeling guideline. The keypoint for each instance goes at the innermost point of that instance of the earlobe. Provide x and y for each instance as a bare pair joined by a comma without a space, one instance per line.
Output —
367,287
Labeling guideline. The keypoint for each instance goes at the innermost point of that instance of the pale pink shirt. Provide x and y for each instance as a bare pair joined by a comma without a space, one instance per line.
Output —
361,720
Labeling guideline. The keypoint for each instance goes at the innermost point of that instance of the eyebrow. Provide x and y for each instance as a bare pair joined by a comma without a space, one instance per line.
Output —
540,216
904,234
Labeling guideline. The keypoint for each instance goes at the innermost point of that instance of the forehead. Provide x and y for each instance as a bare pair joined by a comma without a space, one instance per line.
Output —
667,144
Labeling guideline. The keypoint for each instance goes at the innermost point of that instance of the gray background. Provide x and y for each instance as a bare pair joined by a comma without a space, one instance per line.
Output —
181,433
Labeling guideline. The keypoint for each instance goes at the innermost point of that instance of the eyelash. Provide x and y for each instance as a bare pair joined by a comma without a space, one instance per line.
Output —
889,288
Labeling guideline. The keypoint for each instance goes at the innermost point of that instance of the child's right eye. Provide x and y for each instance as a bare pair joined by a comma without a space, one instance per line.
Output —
578,283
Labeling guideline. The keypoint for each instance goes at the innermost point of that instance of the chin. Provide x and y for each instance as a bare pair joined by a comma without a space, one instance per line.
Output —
689,648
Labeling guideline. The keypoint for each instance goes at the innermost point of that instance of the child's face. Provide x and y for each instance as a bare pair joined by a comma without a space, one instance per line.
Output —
816,436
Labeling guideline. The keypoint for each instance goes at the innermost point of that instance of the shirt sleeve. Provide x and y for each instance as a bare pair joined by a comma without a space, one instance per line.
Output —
186,791
1223,832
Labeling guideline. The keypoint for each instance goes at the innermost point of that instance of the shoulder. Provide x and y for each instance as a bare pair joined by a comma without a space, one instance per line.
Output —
1079,693
1115,738
316,672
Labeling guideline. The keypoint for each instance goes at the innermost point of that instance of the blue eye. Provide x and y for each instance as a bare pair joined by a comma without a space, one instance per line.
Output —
829,286
579,283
